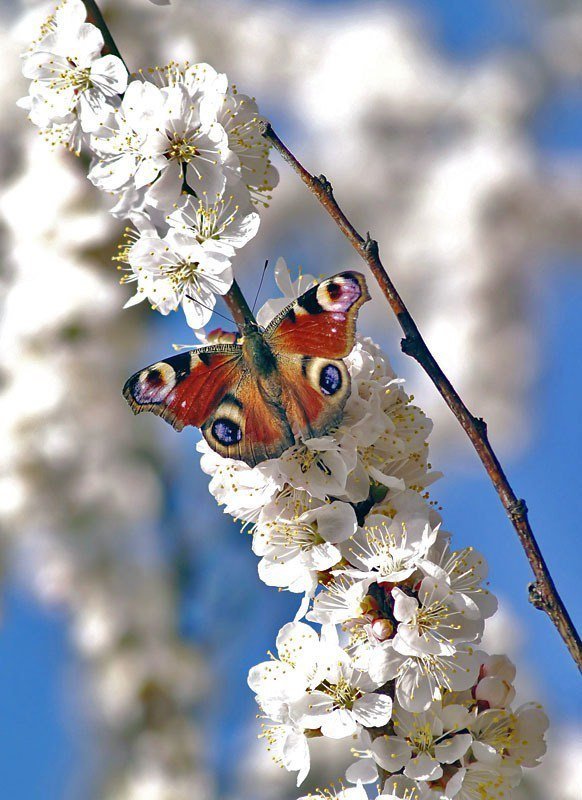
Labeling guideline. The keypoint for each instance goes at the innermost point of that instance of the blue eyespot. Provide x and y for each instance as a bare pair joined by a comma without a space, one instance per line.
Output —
226,432
330,379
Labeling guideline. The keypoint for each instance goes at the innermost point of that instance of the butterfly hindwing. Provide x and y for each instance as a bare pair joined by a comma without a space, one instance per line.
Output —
247,426
315,391
322,322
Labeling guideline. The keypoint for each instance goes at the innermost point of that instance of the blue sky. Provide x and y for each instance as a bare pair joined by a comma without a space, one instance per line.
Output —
39,737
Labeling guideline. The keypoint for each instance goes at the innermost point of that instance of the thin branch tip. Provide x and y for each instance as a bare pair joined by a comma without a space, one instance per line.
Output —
265,128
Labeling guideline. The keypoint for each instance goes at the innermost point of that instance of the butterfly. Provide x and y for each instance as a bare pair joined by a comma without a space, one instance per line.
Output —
253,397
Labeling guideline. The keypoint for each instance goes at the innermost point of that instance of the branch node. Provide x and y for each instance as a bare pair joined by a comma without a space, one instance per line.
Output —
517,510
536,596
411,346
481,426
325,185
370,245
264,127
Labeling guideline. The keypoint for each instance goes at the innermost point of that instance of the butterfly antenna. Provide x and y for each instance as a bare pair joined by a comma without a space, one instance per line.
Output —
214,311
260,284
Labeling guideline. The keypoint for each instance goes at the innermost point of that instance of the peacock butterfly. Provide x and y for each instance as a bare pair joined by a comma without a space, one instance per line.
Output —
252,397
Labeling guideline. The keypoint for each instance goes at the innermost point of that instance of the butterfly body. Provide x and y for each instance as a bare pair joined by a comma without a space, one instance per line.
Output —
253,397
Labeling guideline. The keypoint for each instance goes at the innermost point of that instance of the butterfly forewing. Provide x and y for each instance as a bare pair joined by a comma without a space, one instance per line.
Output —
322,322
186,388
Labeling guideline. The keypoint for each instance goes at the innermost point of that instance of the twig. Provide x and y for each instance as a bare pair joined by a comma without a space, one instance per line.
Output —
542,593
95,17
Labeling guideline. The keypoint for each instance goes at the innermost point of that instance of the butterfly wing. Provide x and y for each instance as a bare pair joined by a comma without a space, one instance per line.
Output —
186,388
322,322
309,338
248,426
213,389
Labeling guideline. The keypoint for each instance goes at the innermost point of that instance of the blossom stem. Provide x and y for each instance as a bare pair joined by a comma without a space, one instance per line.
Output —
542,592
95,17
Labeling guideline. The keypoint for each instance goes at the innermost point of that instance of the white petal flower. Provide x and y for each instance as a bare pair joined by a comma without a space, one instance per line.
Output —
164,136
424,742
340,600
302,664
512,738
243,490
392,548
178,270
495,687
227,219
476,782
342,702
240,118
69,78
287,744
296,544
322,468
435,623
353,793
399,787
420,678
464,571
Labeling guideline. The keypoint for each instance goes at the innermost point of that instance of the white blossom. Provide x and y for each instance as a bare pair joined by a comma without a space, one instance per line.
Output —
227,220
424,742
239,116
345,700
294,546
178,270
495,686
391,548
435,622
73,88
163,137
302,663
512,738
464,571
420,677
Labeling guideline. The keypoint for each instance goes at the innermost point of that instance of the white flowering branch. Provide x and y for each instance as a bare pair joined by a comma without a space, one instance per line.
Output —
344,519
543,593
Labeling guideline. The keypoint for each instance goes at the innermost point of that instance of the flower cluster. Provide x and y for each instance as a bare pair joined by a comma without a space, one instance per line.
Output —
178,147
346,521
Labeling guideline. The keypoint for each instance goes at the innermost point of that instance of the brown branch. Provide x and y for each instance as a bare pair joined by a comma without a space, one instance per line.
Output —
542,592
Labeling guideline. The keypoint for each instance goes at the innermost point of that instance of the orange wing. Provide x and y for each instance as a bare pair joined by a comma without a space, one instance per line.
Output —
315,391
248,426
322,322
186,388
213,389
309,338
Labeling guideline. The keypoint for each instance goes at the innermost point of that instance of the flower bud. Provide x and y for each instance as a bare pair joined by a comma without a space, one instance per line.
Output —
495,685
382,629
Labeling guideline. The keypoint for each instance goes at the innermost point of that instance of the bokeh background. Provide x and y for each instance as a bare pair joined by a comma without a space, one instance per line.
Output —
131,605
